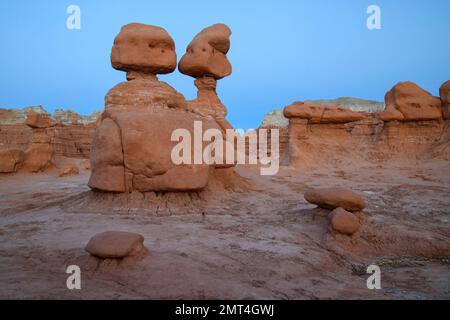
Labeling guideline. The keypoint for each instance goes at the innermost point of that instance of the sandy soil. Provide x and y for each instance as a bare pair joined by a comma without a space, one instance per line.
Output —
266,243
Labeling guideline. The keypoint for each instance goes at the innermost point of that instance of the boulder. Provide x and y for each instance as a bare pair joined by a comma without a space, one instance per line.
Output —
68,170
129,154
332,198
143,48
444,92
39,120
322,114
343,221
406,101
115,244
10,160
206,54
205,59
38,157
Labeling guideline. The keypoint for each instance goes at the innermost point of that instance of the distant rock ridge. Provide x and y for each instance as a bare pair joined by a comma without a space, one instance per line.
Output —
19,116
354,104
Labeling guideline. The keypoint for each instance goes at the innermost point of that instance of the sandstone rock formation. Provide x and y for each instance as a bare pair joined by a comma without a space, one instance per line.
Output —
205,59
115,244
321,114
73,140
276,117
406,101
39,154
343,221
374,139
10,160
39,120
38,157
343,204
33,136
69,117
277,120
141,49
132,146
18,116
332,198
444,92
206,54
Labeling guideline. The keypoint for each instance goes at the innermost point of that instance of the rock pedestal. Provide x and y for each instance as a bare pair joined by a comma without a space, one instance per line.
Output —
207,102
205,60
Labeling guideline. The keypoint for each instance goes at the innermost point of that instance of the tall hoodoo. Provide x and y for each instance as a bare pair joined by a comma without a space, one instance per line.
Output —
206,60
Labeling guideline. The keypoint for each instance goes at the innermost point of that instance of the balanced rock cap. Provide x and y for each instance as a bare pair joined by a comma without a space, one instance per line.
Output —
406,101
332,198
144,48
206,54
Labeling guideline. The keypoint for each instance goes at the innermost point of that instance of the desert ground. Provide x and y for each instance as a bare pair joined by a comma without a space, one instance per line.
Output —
263,243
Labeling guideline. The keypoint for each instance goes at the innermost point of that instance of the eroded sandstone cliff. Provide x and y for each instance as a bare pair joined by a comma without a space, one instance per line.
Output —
412,128
31,137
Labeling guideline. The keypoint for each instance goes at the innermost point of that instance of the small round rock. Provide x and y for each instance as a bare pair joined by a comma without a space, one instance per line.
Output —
115,244
343,221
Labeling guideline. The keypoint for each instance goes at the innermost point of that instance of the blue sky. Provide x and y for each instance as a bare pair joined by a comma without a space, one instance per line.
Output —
281,51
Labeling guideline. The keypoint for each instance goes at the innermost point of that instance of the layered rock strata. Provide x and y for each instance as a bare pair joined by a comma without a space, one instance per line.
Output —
31,137
334,136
